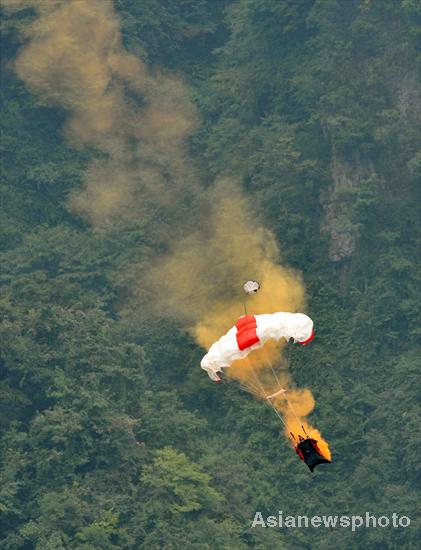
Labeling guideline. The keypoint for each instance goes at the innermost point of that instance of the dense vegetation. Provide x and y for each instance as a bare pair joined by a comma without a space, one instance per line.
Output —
111,437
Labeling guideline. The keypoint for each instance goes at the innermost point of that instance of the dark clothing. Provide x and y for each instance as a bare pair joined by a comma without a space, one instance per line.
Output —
308,451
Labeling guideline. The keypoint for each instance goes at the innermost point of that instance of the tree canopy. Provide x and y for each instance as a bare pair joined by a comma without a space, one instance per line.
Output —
112,437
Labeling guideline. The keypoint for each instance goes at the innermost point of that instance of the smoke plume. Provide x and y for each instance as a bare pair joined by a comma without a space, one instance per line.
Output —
137,122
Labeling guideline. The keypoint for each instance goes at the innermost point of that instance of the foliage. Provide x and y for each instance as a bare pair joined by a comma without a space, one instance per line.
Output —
111,438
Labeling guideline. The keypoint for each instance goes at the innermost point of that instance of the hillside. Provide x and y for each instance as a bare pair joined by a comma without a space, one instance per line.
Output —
153,155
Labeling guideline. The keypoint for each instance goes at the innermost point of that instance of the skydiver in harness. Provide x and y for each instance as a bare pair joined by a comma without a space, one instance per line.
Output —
308,450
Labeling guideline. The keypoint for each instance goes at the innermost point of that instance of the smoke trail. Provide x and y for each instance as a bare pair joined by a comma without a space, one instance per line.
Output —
138,122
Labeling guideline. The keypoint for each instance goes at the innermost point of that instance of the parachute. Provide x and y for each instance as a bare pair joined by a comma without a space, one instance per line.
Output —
251,287
252,332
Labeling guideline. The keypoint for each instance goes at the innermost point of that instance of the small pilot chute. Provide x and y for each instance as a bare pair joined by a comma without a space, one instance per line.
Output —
251,287
308,450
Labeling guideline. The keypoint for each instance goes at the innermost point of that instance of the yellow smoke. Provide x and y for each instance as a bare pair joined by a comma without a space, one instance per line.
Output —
200,281
138,121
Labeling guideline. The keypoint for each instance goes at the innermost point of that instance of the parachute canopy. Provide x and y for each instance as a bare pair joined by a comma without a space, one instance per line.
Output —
251,287
252,332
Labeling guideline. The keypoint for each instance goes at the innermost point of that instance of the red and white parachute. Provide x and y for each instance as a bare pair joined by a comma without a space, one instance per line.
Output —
252,332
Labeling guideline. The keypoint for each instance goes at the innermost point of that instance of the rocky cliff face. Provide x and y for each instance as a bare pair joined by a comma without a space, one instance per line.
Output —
338,203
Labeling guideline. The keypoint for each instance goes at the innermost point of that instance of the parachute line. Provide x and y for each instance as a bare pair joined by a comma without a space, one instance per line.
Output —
259,384
250,388
293,412
276,378
268,400
286,398
278,414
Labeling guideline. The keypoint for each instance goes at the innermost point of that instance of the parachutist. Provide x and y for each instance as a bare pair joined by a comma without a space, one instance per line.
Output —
308,450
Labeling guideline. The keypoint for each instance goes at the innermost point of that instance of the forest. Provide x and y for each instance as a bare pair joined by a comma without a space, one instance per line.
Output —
154,155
